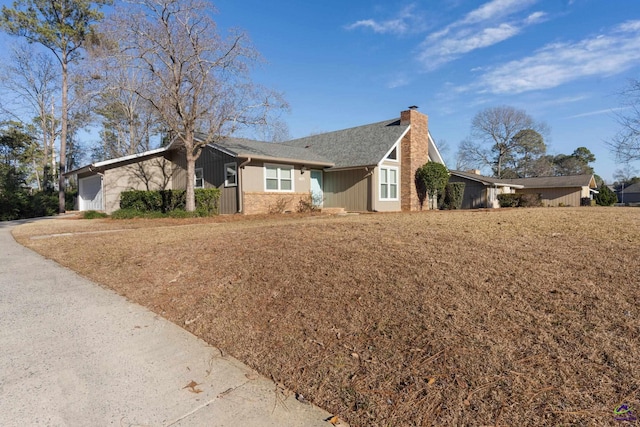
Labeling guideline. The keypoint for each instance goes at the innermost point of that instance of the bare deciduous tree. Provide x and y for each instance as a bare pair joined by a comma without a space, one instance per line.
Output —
32,84
625,145
493,135
62,27
128,121
197,81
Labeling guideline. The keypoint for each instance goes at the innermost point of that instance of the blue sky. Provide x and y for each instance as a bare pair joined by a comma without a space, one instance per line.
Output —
343,64
346,63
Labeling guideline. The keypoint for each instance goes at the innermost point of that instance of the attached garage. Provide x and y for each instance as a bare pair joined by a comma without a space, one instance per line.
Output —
90,193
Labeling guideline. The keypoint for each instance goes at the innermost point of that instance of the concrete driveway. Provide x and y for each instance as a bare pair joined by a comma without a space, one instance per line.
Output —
75,354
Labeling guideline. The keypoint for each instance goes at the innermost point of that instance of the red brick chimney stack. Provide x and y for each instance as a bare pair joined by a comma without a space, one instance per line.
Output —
414,149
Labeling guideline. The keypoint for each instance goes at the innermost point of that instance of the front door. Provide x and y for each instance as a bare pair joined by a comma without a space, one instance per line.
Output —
317,195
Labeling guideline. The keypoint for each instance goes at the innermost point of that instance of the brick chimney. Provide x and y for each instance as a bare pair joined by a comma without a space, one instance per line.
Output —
414,149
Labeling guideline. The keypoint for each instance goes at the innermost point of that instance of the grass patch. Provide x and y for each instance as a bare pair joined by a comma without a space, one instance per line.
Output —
508,317
93,215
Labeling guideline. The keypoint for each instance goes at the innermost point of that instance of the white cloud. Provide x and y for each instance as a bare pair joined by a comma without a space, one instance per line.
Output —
398,81
560,63
489,24
408,20
495,9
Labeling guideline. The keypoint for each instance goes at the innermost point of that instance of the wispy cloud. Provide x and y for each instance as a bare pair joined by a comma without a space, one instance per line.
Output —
597,112
406,21
559,63
489,24
398,81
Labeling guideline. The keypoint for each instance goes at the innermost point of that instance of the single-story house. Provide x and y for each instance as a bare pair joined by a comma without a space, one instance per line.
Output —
559,190
482,191
366,168
630,194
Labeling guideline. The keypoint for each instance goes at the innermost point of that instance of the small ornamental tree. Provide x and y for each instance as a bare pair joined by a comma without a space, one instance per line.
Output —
605,196
431,179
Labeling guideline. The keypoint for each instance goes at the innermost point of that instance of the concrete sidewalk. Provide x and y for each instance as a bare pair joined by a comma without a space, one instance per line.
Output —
75,354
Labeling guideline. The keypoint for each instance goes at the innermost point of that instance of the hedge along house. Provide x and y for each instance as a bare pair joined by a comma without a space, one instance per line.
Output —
366,168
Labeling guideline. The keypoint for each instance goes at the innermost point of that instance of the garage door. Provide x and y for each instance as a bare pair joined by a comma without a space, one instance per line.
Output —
90,193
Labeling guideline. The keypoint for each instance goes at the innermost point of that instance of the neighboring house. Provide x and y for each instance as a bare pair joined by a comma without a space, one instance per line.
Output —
366,168
630,194
481,191
559,190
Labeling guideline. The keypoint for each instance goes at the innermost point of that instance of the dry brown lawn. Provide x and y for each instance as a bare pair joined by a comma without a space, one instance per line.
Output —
504,317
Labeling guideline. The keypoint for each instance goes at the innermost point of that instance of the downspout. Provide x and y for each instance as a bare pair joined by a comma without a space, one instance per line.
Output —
240,194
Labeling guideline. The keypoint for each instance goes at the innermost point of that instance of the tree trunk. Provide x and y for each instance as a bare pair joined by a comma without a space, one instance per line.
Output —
63,136
190,205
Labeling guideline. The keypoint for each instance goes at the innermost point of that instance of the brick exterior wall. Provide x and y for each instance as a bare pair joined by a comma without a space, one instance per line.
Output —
261,203
414,152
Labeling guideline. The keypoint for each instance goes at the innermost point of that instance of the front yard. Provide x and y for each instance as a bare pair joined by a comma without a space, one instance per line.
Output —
504,317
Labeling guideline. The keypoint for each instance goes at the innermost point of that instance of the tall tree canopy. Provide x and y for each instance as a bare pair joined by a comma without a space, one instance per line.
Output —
63,27
197,81
494,137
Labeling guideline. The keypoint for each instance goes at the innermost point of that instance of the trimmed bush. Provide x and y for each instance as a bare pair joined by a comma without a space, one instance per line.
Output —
519,200
508,200
530,200
453,194
166,201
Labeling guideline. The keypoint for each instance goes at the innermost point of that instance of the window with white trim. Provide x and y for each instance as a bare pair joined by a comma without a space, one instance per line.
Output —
388,183
278,178
230,175
198,178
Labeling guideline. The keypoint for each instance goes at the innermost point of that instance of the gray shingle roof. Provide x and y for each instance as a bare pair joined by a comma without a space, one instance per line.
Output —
250,148
633,188
486,180
553,181
359,146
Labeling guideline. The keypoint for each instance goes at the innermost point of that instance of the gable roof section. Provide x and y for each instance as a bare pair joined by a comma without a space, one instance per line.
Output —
111,163
486,180
359,146
270,151
569,181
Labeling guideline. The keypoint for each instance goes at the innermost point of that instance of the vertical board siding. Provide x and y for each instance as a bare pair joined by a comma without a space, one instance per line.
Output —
556,196
212,163
475,193
348,189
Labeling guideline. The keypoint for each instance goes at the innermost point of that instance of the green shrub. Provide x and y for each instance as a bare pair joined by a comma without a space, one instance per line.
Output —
530,200
167,201
605,196
520,200
453,193
430,180
508,200
207,201
94,215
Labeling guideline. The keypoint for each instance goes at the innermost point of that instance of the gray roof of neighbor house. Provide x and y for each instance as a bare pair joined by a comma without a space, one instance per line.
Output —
633,188
359,146
556,181
486,180
241,147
